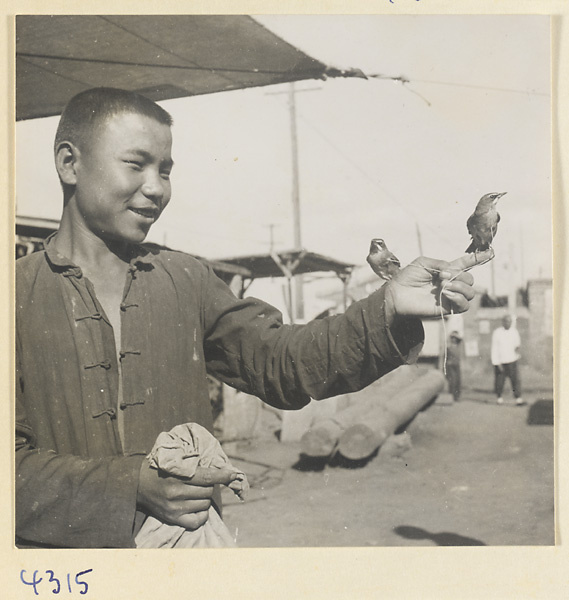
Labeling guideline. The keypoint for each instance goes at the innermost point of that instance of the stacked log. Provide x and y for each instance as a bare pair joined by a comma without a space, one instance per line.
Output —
362,439
322,439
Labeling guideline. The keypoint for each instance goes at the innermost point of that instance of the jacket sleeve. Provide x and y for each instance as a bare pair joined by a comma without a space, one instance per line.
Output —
248,347
68,501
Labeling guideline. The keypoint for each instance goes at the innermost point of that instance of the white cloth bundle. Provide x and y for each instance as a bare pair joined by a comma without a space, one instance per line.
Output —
180,452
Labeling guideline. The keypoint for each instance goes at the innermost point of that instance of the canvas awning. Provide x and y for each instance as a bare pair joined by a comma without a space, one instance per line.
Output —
160,56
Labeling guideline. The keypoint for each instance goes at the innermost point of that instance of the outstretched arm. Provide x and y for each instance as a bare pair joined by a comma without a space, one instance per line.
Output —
248,347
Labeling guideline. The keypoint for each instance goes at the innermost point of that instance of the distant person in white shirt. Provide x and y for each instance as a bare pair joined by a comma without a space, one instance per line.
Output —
505,356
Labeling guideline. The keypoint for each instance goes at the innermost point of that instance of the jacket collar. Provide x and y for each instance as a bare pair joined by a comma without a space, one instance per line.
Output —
141,258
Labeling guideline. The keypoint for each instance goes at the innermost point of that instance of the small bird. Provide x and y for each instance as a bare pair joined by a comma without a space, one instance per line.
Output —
483,223
383,262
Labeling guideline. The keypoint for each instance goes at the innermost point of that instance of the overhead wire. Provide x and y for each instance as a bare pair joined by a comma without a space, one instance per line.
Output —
405,81
398,201
484,87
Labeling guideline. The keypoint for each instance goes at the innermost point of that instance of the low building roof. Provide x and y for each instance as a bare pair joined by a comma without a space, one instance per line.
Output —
289,263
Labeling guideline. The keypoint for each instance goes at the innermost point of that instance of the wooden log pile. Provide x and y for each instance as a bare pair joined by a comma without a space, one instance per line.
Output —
358,430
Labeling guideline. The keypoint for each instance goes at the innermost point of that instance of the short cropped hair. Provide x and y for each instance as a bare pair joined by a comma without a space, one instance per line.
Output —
86,111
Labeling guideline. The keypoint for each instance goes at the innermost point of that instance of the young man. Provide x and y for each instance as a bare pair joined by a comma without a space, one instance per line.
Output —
505,356
114,338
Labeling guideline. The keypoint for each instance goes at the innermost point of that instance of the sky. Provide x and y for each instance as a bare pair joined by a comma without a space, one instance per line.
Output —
377,158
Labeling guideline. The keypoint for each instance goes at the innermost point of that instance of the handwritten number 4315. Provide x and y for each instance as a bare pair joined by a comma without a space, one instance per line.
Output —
55,581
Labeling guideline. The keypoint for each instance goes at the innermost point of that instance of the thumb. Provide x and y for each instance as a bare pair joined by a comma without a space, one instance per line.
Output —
471,260
206,476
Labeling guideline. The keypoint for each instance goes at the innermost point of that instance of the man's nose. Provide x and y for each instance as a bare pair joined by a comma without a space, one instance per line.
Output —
154,186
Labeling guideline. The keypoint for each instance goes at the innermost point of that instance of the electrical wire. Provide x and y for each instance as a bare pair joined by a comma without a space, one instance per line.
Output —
405,81
482,87
390,196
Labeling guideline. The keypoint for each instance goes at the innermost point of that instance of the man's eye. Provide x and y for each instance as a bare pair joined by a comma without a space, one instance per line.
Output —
165,174
135,164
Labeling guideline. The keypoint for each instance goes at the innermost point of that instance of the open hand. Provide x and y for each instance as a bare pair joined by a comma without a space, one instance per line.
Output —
428,287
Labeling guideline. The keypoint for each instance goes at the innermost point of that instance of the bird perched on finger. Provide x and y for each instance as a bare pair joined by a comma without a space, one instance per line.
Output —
483,222
383,262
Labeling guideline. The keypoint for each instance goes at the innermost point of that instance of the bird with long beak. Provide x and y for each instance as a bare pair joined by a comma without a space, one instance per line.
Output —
383,262
483,222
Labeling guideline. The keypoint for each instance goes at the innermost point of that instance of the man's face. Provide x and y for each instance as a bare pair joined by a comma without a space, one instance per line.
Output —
507,322
123,177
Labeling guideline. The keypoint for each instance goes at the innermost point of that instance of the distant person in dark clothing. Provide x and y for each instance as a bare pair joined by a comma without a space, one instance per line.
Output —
454,351
505,356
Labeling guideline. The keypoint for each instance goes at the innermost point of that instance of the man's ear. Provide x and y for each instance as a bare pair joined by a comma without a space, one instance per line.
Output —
66,155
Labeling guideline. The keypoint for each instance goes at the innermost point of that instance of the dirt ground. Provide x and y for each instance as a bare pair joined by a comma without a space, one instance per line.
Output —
466,473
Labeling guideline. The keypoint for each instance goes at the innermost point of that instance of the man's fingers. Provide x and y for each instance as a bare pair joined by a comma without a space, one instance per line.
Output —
464,262
433,265
193,506
460,287
459,303
208,477
445,270
451,275
471,260
192,521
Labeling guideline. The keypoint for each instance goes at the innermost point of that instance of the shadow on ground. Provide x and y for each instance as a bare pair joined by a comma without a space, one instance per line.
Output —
541,412
318,463
440,539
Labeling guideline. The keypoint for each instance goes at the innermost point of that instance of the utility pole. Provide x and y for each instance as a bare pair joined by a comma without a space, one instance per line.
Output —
271,227
298,291
295,177
297,231
512,289
419,239
522,256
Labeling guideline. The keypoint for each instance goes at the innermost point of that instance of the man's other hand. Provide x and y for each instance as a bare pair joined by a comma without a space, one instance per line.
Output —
178,501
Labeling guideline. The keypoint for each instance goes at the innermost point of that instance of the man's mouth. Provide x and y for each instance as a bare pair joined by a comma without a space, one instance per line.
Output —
147,213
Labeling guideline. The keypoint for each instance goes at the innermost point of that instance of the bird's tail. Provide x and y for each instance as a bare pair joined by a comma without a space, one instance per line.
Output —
474,248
